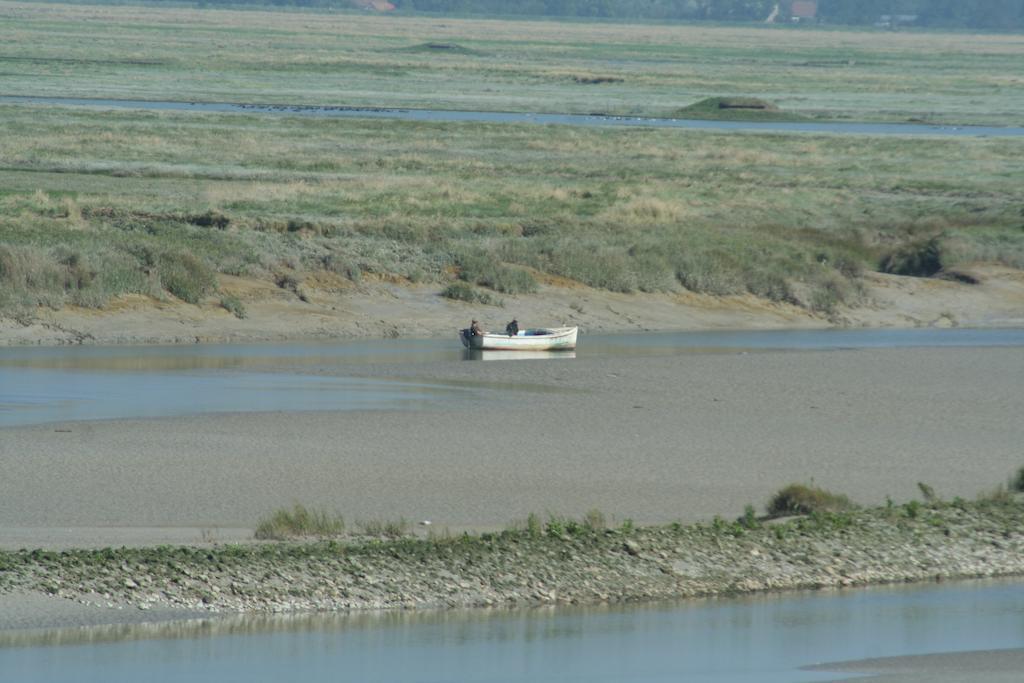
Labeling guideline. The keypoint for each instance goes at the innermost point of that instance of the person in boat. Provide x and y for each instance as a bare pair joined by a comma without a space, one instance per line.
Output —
512,329
475,330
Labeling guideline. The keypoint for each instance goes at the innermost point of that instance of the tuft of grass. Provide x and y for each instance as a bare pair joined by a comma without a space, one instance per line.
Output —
999,495
299,522
595,520
233,305
385,528
803,499
749,519
534,527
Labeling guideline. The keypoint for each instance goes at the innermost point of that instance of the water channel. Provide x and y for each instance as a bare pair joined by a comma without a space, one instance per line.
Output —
761,639
40,385
439,115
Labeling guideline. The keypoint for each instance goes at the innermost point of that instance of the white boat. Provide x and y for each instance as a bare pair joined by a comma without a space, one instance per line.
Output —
534,339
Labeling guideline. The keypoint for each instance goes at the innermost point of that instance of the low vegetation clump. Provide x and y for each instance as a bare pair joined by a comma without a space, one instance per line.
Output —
463,291
804,499
481,268
299,522
186,276
919,259
1017,481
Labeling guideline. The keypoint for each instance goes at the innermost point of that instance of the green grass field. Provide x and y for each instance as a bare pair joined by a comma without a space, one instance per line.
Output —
98,203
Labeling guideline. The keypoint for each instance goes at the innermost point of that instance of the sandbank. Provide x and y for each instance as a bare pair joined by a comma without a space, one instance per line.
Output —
651,439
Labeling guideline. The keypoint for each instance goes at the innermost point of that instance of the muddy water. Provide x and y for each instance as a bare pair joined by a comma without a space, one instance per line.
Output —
744,640
40,385
520,117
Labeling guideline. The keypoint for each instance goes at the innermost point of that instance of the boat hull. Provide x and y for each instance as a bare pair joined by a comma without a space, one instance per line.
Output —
541,339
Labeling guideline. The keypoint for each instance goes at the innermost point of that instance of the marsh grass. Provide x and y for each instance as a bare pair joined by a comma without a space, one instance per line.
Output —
378,528
299,522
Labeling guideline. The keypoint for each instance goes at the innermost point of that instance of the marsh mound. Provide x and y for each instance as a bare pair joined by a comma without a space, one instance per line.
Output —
736,109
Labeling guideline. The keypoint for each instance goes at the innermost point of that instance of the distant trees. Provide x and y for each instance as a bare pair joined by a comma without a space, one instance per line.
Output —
990,14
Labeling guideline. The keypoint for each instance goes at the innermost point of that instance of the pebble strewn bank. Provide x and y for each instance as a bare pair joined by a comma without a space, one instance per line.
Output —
558,564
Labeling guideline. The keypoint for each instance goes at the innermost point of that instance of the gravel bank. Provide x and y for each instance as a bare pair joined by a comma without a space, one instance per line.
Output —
558,564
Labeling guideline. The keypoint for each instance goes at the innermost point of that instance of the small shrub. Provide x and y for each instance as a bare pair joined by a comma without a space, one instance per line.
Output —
555,527
299,522
210,219
232,304
186,276
918,259
533,525
749,519
801,499
912,509
463,291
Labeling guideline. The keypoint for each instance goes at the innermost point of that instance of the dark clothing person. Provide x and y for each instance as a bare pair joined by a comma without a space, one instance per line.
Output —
474,330
512,329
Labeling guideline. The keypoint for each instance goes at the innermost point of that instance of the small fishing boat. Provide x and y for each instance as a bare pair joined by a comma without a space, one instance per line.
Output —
534,339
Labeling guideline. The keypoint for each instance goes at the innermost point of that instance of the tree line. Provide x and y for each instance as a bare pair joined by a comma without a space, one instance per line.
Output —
987,14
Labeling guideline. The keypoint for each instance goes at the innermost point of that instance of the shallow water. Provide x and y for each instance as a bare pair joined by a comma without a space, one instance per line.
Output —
41,385
520,117
763,639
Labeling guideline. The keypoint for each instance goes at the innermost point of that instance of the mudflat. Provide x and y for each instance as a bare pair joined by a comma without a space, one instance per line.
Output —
652,439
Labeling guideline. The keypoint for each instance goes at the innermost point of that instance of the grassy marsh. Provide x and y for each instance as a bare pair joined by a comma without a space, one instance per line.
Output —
127,195
94,204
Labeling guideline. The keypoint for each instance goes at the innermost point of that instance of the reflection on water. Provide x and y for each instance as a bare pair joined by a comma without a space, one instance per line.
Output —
761,639
478,354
